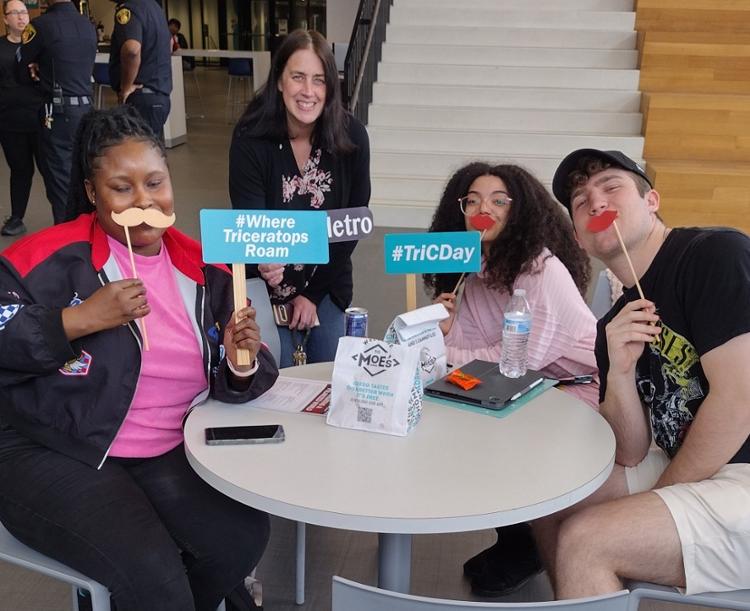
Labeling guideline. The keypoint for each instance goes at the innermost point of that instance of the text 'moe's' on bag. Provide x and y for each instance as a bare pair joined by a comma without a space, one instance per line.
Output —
376,386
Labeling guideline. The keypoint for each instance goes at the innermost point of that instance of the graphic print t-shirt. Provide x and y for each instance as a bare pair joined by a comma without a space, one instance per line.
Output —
700,283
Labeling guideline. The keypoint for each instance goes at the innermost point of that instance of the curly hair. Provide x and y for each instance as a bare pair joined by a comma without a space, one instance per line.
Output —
99,130
265,116
535,221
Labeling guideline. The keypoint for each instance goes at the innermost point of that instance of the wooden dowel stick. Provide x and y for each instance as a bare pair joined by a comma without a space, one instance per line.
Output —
142,320
627,257
240,301
411,292
463,274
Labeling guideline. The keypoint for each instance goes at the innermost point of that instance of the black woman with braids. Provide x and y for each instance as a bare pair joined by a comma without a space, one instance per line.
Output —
530,245
92,466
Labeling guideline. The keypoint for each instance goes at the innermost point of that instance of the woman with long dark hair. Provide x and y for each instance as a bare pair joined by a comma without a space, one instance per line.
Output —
530,245
297,148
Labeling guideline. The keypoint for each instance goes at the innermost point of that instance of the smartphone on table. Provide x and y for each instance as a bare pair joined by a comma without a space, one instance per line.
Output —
236,435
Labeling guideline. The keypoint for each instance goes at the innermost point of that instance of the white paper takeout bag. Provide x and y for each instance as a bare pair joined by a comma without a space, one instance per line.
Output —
419,330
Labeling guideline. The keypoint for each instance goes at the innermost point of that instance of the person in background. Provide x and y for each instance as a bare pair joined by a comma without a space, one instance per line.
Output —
297,148
93,469
59,49
140,68
20,107
180,42
674,389
530,246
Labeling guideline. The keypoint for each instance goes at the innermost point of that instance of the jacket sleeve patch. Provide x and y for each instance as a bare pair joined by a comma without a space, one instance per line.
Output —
123,16
78,366
7,312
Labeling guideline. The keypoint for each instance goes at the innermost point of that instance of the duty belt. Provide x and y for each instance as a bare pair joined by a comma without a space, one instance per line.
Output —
76,100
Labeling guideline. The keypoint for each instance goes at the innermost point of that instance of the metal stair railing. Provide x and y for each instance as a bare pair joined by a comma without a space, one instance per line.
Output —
363,55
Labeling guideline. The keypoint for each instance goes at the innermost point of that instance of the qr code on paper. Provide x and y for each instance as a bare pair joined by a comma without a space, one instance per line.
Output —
364,414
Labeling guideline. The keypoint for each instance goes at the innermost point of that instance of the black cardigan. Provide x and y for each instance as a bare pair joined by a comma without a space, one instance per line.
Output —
262,175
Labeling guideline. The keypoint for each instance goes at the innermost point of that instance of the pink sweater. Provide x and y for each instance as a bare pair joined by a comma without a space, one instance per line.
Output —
563,329
172,371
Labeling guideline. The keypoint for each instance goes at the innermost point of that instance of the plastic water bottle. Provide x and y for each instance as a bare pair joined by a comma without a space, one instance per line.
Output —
516,330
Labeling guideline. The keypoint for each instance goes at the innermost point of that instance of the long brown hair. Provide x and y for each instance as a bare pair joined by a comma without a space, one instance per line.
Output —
265,116
535,221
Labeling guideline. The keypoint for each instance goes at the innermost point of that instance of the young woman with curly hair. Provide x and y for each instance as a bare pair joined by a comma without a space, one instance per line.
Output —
531,246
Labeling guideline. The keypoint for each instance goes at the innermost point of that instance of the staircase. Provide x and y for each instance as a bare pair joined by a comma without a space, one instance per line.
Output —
695,64
499,81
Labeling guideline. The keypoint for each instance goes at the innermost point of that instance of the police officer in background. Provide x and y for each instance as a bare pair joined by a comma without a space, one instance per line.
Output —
139,61
59,49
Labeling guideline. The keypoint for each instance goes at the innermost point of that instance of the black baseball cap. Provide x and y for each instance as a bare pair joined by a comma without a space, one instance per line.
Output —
570,163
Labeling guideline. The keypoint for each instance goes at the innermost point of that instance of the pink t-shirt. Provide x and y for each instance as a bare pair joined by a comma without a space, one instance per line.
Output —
563,329
172,372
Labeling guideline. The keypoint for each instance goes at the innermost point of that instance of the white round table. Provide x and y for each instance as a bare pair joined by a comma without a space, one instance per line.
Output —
456,471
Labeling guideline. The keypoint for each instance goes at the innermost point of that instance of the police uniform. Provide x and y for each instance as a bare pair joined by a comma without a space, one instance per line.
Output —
144,21
63,44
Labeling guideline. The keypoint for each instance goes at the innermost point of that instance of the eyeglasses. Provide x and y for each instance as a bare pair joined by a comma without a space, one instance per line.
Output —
470,203
17,13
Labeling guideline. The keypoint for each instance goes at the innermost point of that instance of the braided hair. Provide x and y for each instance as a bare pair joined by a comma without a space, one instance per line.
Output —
535,221
99,130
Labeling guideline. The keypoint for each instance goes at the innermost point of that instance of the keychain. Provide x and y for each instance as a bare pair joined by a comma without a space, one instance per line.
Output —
48,118
299,356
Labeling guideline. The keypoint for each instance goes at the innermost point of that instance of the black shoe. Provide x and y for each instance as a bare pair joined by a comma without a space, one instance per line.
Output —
13,226
508,564
476,565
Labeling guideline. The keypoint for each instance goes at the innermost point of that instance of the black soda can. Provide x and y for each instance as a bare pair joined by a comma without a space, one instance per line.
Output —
356,322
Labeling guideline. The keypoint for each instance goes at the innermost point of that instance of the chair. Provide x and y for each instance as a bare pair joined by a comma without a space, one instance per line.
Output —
258,295
189,68
601,300
101,80
240,72
349,595
738,599
15,552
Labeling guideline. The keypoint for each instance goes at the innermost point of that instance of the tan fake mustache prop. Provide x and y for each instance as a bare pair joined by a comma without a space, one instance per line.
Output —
153,217
132,217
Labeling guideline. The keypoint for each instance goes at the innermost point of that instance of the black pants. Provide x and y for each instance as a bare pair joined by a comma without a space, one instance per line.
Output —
151,530
153,107
57,156
21,150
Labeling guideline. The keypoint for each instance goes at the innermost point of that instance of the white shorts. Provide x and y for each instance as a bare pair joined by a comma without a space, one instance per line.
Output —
712,519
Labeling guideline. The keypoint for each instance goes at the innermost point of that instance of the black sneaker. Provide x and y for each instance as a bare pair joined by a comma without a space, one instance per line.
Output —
476,565
13,226
508,564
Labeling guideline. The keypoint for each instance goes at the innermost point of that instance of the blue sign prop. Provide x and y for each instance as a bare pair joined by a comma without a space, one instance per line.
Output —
432,253
264,236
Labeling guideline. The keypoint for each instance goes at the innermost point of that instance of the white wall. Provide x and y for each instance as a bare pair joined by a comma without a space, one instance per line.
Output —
340,15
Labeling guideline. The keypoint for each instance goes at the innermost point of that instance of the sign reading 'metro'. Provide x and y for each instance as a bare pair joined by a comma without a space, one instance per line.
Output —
264,236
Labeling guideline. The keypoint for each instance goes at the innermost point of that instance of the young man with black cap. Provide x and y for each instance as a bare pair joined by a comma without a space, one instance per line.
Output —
672,366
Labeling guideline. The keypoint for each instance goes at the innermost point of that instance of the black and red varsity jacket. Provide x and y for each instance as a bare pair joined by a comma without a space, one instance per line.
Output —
73,396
